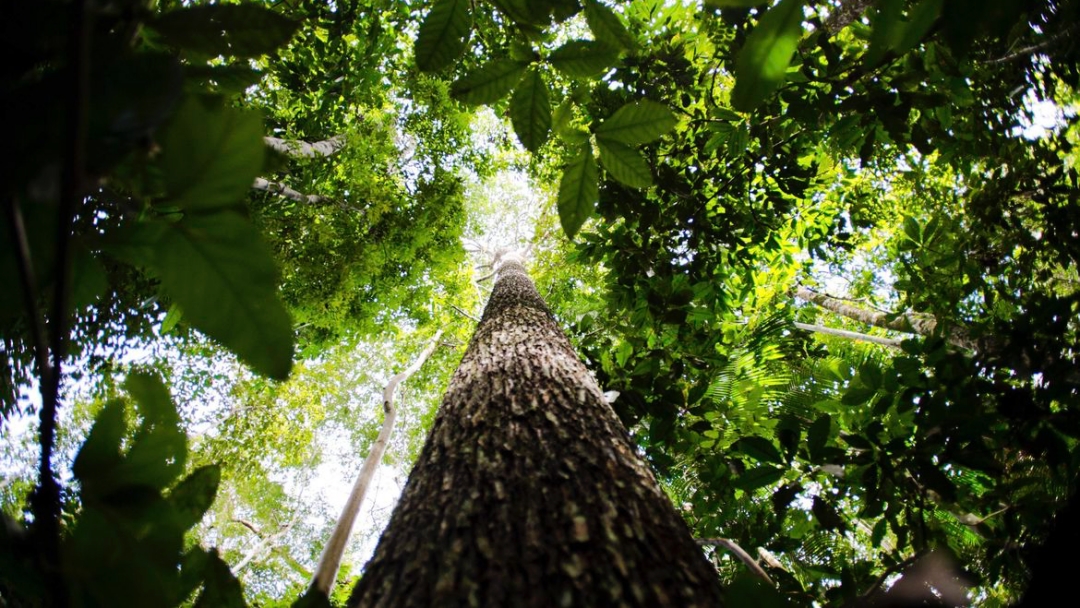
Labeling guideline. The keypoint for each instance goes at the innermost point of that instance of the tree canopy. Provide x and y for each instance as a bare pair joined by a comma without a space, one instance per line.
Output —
826,252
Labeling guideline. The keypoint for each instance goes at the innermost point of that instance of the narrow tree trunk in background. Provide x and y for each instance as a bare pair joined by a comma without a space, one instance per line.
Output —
528,491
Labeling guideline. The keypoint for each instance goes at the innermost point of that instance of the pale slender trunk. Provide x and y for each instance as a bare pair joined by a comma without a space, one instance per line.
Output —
908,322
529,491
282,190
330,562
303,149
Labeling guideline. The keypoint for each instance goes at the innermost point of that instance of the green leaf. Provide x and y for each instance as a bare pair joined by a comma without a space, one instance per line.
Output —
240,30
817,436
489,83
763,60
888,29
583,58
443,35
221,589
912,229
171,318
857,396
153,398
759,448
735,3
210,155
636,123
232,79
159,449
923,16
758,477
578,191
100,452
219,271
193,496
625,164
530,111
606,26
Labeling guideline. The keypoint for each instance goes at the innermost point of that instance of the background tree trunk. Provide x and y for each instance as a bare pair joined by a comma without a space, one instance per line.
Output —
529,491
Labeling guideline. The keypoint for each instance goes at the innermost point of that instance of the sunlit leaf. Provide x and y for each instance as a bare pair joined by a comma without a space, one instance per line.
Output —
636,123
606,26
583,58
625,164
443,35
578,190
530,111
763,60
489,83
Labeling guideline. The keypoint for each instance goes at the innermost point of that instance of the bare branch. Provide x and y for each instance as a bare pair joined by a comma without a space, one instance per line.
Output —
283,190
303,149
853,335
738,552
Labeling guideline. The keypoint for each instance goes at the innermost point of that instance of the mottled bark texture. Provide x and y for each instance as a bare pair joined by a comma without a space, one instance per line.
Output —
528,491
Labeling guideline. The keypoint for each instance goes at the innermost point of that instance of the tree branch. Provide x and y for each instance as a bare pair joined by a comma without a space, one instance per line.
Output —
282,190
330,562
303,149
738,552
853,335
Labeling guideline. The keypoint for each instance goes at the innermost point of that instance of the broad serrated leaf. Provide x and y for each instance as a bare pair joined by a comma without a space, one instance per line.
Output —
606,26
193,496
489,83
210,155
759,448
240,30
764,59
443,35
578,191
217,268
758,477
636,123
625,164
530,111
583,58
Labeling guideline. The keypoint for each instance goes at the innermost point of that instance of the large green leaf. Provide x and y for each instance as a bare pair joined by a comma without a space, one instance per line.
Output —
638,122
583,58
101,450
759,448
159,450
220,272
210,154
578,190
489,83
758,477
193,496
606,26
764,59
625,164
240,30
530,111
443,34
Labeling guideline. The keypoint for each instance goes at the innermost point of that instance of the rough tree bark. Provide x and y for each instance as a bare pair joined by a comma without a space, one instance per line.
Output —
529,491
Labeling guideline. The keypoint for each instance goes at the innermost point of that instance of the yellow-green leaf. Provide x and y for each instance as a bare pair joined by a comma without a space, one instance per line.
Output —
636,123
764,59
625,164
530,111
489,83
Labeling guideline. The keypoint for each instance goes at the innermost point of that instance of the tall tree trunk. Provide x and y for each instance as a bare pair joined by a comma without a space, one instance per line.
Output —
529,491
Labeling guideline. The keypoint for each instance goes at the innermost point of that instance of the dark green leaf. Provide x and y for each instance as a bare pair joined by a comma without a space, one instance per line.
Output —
764,59
530,111
443,34
759,448
194,495
818,436
636,123
583,58
888,29
735,3
753,592
923,16
231,79
210,155
857,396
625,164
578,191
154,401
490,83
221,589
606,26
870,375
218,269
827,515
240,30
101,450
912,229
758,477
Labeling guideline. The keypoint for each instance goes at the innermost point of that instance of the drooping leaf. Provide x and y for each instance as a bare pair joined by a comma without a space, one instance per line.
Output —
240,30
583,58
193,496
443,35
530,111
763,61
217,268
578,190
489,83
638,122
625,164
210,155
758,477
759,448
606,26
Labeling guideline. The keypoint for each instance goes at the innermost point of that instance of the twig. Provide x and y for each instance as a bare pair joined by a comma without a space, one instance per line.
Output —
464,314
743,556
1067,32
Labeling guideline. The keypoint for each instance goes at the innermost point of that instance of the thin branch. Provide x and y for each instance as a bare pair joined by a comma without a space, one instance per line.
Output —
267,541
28,284
330,562
282,190
1045,44
250,526
303,149
738,552
465,314
853,335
